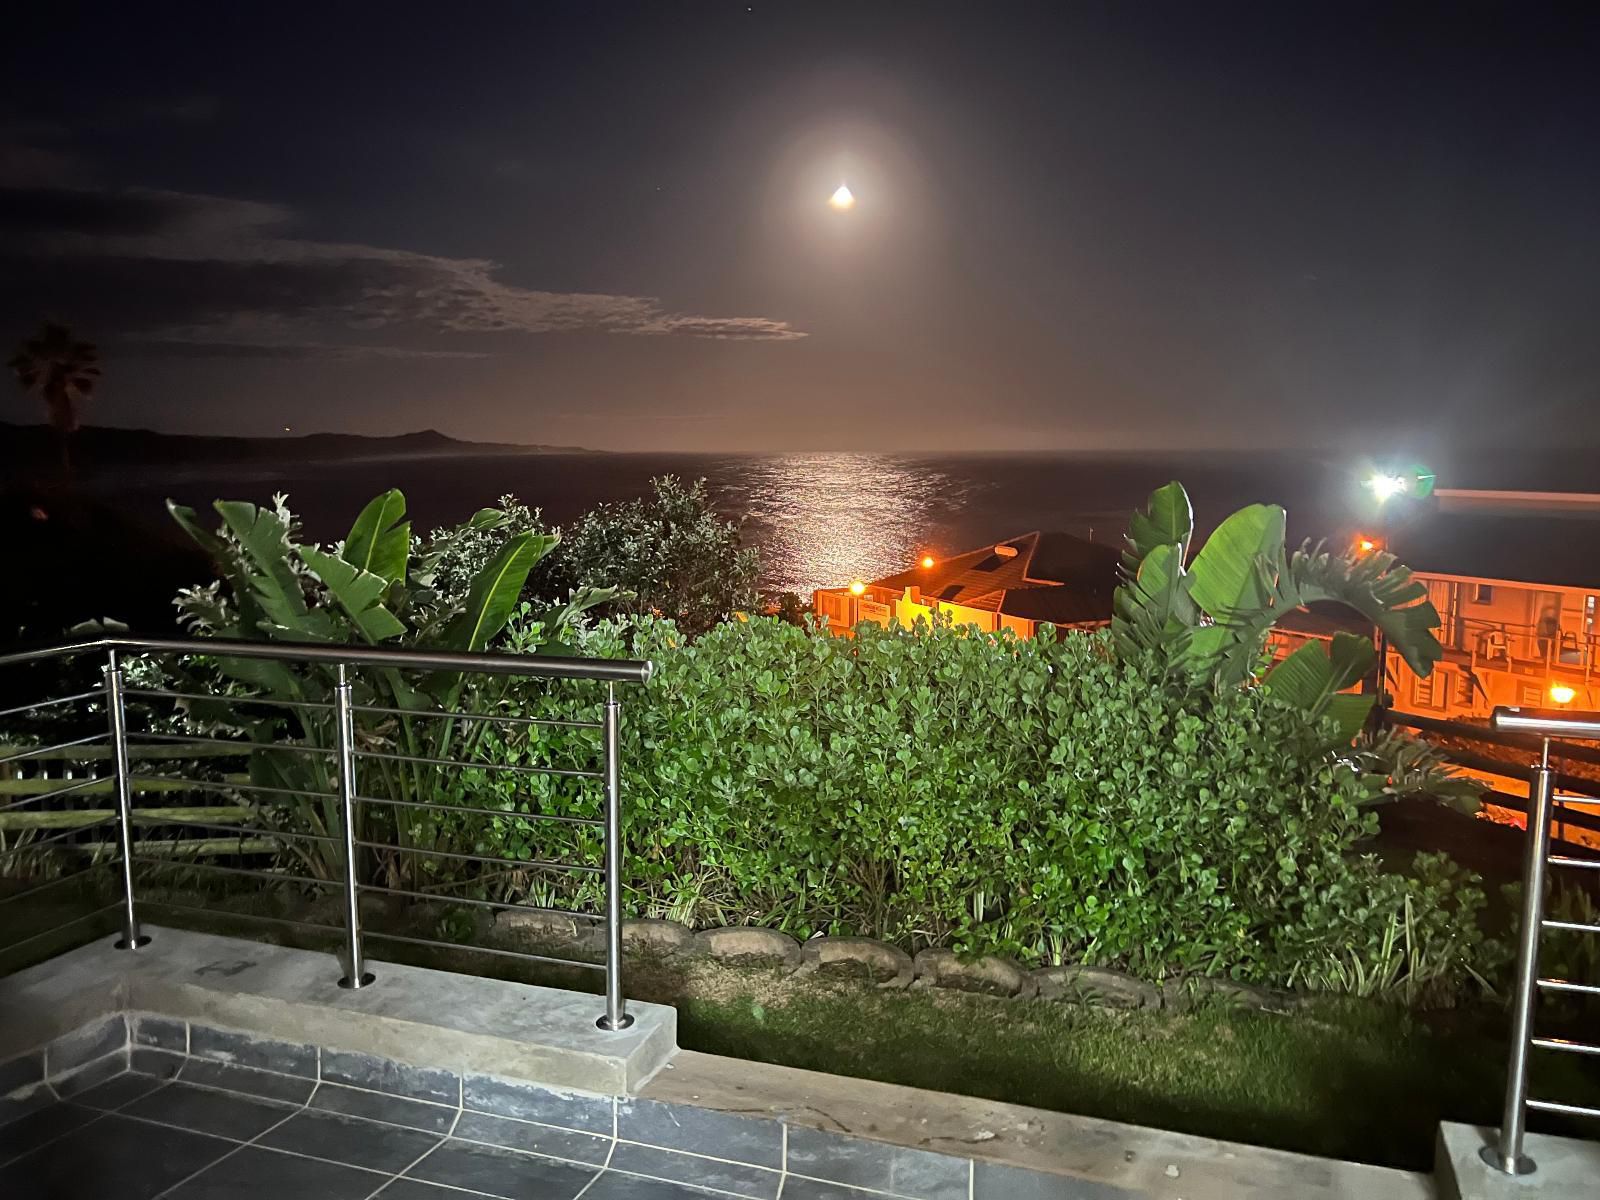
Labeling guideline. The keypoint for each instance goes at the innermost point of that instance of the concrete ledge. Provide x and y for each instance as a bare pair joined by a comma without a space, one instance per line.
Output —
411,1014
1566,1167
1089,1157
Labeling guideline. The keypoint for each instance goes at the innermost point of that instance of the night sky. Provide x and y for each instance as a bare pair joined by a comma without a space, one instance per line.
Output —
1078,225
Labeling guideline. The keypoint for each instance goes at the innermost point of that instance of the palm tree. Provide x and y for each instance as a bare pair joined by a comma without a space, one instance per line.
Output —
63,371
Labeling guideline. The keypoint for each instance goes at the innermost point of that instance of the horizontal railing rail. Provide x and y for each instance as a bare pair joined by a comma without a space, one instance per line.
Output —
607,670
337,738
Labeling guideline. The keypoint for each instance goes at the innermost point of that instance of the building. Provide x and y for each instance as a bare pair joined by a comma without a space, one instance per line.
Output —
1018,585
1515,577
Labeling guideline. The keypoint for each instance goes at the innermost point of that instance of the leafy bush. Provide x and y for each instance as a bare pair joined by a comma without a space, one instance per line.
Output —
1037,798
669,553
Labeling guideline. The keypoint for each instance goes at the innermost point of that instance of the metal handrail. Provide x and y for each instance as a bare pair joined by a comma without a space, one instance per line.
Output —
345,757
1506,1155
606,670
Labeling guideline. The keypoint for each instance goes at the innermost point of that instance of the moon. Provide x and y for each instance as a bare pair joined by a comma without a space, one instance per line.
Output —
842,199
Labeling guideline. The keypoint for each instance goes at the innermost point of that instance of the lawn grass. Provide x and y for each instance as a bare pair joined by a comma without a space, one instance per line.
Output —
1343,1079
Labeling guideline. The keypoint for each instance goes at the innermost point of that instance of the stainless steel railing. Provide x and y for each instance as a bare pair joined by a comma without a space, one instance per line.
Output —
1507,1155
347,798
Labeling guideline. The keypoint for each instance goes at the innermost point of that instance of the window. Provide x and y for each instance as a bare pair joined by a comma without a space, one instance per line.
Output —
950,592
989,563
1425,691
1483,593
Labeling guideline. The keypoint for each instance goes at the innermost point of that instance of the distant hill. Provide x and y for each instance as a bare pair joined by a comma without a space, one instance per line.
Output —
103,445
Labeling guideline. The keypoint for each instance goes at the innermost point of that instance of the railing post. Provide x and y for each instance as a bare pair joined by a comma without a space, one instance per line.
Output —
356,974
1507,1155
616,1014
117,716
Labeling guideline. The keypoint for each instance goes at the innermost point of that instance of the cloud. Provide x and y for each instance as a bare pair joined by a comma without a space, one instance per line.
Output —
225,276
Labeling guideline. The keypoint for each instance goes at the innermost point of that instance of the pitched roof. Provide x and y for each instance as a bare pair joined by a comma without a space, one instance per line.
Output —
1039,576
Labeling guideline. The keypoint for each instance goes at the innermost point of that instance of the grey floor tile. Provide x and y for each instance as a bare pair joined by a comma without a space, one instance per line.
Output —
221,1113
795,1188
991,1181
530,1102
536,1139
701,1131
40,1127
24,1104
350,1140
248,1050
92,1075
837,1158
163,1064
254,1173
612,1186
20,1071
375,1106
118,1090
757,1183
415,1189
247,1080
506,1173
161,1033
93,1041
111,1159
396,1078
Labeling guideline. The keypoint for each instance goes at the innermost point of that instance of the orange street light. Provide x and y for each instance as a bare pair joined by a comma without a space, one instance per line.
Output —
1561,693
857,588
927,561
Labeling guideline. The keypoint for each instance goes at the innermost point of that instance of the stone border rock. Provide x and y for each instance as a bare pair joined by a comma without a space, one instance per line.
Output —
987,975
749,944
1100,986
890,967
649,935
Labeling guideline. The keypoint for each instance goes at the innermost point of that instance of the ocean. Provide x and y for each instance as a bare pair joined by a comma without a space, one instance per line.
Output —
819,519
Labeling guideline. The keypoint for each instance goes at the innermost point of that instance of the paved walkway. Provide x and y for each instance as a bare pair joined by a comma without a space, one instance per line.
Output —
136,1137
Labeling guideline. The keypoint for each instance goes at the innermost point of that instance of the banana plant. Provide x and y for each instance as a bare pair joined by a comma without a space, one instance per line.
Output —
370,589
1207,621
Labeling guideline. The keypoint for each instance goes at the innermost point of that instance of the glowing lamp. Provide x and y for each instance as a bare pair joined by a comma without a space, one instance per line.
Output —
1561,693
1386,487
1366,545
927,561
857,588
842,200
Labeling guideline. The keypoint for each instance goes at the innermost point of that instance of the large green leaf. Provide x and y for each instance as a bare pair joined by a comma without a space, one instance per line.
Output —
1318,670
494,592
1234,574
1377,587
264,538
1312,678
1167,520
380,541
358,593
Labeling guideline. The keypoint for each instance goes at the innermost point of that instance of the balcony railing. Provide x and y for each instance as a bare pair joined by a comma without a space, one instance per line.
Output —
1506,1154
346,737
1507,645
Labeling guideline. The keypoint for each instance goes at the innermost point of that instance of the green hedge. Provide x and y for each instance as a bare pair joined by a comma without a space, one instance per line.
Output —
1033,798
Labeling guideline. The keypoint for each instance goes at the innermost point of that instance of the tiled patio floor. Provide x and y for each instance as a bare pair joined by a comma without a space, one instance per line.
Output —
137,1137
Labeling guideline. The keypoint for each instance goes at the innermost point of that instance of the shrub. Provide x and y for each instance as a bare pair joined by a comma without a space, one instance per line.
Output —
1037,798
669,552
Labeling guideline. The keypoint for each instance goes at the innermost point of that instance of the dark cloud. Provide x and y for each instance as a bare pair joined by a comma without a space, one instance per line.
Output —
229,277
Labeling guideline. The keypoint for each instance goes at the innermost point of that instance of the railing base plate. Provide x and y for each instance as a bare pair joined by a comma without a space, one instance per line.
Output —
1524,1164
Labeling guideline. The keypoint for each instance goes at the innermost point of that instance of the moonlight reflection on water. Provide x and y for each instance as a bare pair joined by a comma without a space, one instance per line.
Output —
825,519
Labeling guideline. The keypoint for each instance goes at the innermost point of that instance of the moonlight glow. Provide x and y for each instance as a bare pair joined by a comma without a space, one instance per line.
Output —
842,199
